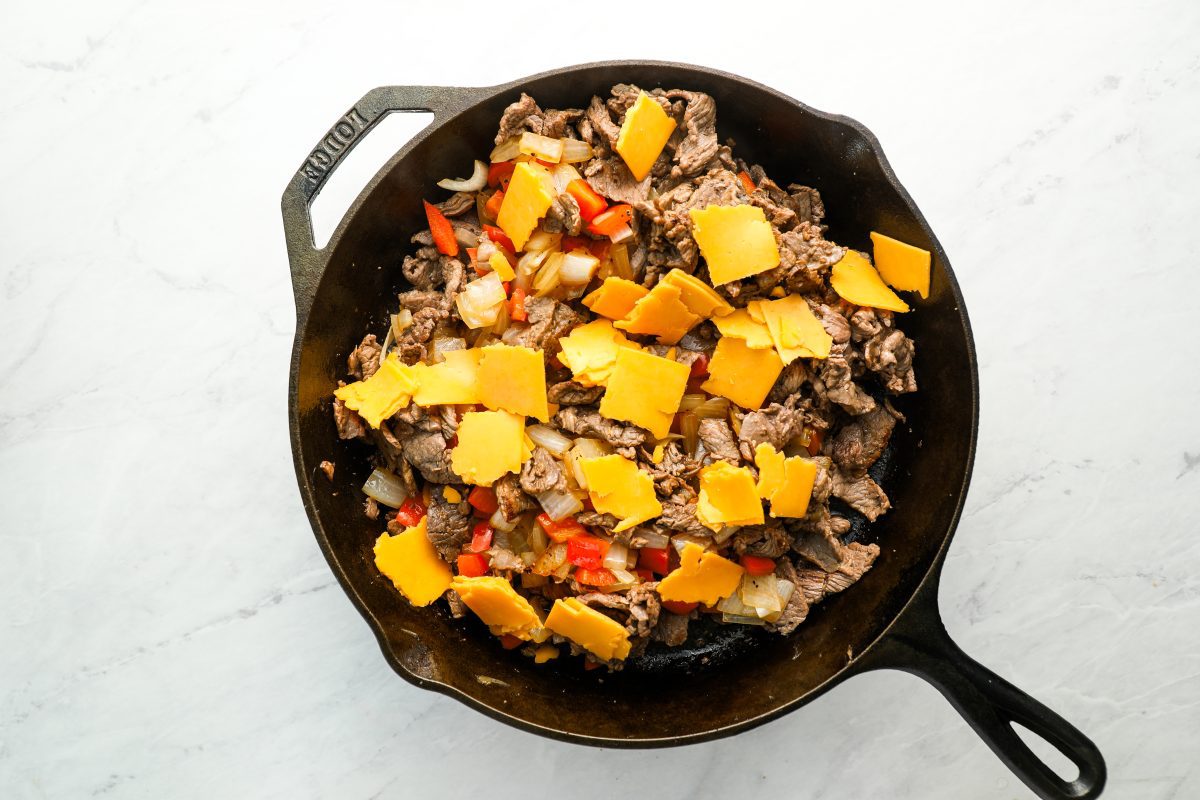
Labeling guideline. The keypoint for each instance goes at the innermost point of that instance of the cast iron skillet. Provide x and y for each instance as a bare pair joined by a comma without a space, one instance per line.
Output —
888,620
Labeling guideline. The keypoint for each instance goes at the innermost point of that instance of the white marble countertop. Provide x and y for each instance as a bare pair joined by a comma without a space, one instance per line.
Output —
168,627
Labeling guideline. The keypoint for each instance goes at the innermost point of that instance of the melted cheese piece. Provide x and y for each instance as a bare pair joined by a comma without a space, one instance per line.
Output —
701,577
529,196
740,325
728,496
411,562
590,351
742,374
603,637
455,381
901,265
494,601
700,298
661,313
645,389
513,379
616,486
490,444
855,280
795,330
615,297
644,134
378,397
786,482
736,241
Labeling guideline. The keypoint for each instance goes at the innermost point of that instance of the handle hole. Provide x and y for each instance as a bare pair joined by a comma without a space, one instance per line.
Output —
1051,756
373,150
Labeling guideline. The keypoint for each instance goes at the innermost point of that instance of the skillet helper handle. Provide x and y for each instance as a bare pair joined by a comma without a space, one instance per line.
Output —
305,257
921,645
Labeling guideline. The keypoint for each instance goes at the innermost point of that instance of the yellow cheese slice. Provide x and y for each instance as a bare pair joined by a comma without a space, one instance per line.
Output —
530,193
855,280
513,379
378,397
603,637
494,601
736,241
661,313
701,577
741,373
728,496
740,325
795,330
644,134
645,389
616,486
490,445
455,381
903,266
786,482
411,562
615,297
590,351
700,298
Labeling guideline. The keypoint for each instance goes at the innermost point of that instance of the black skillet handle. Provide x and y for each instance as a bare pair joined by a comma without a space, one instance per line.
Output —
306,259
919,643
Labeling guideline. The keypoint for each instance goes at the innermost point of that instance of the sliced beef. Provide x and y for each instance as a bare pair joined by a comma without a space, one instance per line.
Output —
815,584
511,499
586,421
859,444
523,115
506,560
776,425
371,508
547,321
672,629
563,216
719,444
672,473
363,361
889,354
423,444
428,269
834,323
542,473
718,187
639,607
412,346
806,258
557,122
770,540
457,204
774,202
836,383
699,144
788,384
448,525
861,493
603,130
796,610
571,393
679,516
807,204
612,178
865,323
820,547
348,423
389,448
458,609
595,519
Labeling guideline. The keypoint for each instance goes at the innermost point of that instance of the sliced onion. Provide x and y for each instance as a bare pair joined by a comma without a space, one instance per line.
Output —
682,540
713,408
689,426
443,345
542,240
690,401
537,538
477,181
541,147
502,320
386,488
760,593
621,234
653,539
401,322
734,605
559,505
552,559
531,580
479,303
563,174
722,536
501,522
784,589
575,151
549,438
506,150
617,557
620,259
624,580
465,236
547,277
734,619
577,268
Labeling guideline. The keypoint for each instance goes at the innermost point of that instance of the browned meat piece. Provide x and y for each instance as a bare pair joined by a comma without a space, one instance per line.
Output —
806,258
542,473
423,445
834,323
859,444
327,468
509,496
348,423
419,299
774,202
861,493
611,178
672,629
570,393
429,269
412,346
699,144
458,609
371,508
522,115
639,607
448,525
506,560
815,584
770,540
391,450
597,520
789,382
548,321
457,204
363,361
563,216
719,187
819,547
806,202
890,355
719,444
556,123
586,421
671,475
600,123
796,610
864,323
836,383
775,425
679,516
822,483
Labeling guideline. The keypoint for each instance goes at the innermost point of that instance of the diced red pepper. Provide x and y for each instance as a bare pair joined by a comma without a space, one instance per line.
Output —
599,248
587,551
516,306
442,230
472,565
591,665
569,243
654,558
473,254
546,164
499,237
611,221
700,366
757,565
595,577
510,642
481,537
492,206
483,500
410,512
645,574
590,203
814,444
679,607
563,530
747,181
500,173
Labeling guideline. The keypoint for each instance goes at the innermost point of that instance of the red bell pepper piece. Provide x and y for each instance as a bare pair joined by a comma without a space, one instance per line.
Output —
472,565
510,642
814,443
587,551
590,203
569,243
594,577
679,607
645,574
499,237
410,512
611,221
747,182
442,230
492,206
591,665
500,173
563,530
516,306
481,537
654,558
483,500
757,565
700,366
